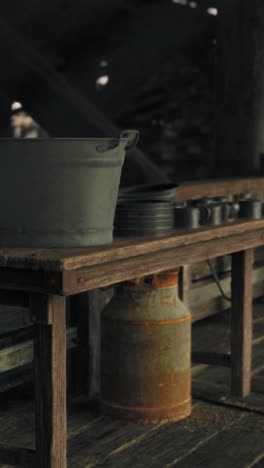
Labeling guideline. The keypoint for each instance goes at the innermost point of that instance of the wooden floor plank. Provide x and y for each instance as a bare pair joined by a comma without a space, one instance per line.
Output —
108,435
211,431
100,441
170,441
233,447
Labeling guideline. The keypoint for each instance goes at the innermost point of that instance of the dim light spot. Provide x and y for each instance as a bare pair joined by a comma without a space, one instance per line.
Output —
16,105
102,80
180,2
212,11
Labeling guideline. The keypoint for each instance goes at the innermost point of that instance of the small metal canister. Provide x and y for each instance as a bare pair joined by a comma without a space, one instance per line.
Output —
186,216
250,208
145,351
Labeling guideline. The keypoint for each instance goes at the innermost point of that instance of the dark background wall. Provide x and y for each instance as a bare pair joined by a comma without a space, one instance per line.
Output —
147,65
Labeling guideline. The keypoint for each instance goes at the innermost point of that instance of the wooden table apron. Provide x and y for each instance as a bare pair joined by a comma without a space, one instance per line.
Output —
43,278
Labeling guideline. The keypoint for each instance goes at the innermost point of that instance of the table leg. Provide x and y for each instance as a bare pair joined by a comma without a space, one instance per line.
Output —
241,322
49,314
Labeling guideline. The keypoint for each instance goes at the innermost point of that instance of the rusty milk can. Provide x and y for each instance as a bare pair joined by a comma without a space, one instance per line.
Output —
145,351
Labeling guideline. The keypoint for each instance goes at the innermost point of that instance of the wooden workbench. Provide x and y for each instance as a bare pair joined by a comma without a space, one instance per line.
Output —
42,278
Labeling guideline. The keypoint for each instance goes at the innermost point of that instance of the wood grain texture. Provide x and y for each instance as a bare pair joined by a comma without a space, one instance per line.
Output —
241,322
221,187
168,445
50,380
57,260
128,268
103,441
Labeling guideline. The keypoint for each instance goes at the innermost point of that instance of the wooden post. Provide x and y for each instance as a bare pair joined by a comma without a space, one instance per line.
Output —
241,322
50,379
240,88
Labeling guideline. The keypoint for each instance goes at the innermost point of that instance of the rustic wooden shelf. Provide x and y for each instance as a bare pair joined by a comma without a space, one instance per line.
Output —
45,276
68,259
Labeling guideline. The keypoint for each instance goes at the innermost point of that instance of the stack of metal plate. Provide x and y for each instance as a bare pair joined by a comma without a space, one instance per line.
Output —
149,192
144,218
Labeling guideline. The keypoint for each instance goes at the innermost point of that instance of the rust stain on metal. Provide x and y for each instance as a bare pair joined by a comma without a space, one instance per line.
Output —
142,409
147,323
157,280
149,415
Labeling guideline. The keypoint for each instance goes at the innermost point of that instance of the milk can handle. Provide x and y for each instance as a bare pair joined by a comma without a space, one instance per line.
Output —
132,137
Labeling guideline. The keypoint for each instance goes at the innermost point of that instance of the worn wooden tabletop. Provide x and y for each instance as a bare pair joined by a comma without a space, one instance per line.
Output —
70,271
249,233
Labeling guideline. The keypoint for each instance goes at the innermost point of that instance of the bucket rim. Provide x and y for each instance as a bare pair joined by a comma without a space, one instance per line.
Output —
63,139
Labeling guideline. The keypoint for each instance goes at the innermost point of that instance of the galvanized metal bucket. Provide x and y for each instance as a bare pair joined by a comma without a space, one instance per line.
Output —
60,192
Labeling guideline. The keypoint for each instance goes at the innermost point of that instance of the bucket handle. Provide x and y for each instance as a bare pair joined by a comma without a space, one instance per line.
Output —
131,136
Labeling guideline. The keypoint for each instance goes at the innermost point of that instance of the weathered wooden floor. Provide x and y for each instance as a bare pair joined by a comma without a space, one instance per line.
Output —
222,432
